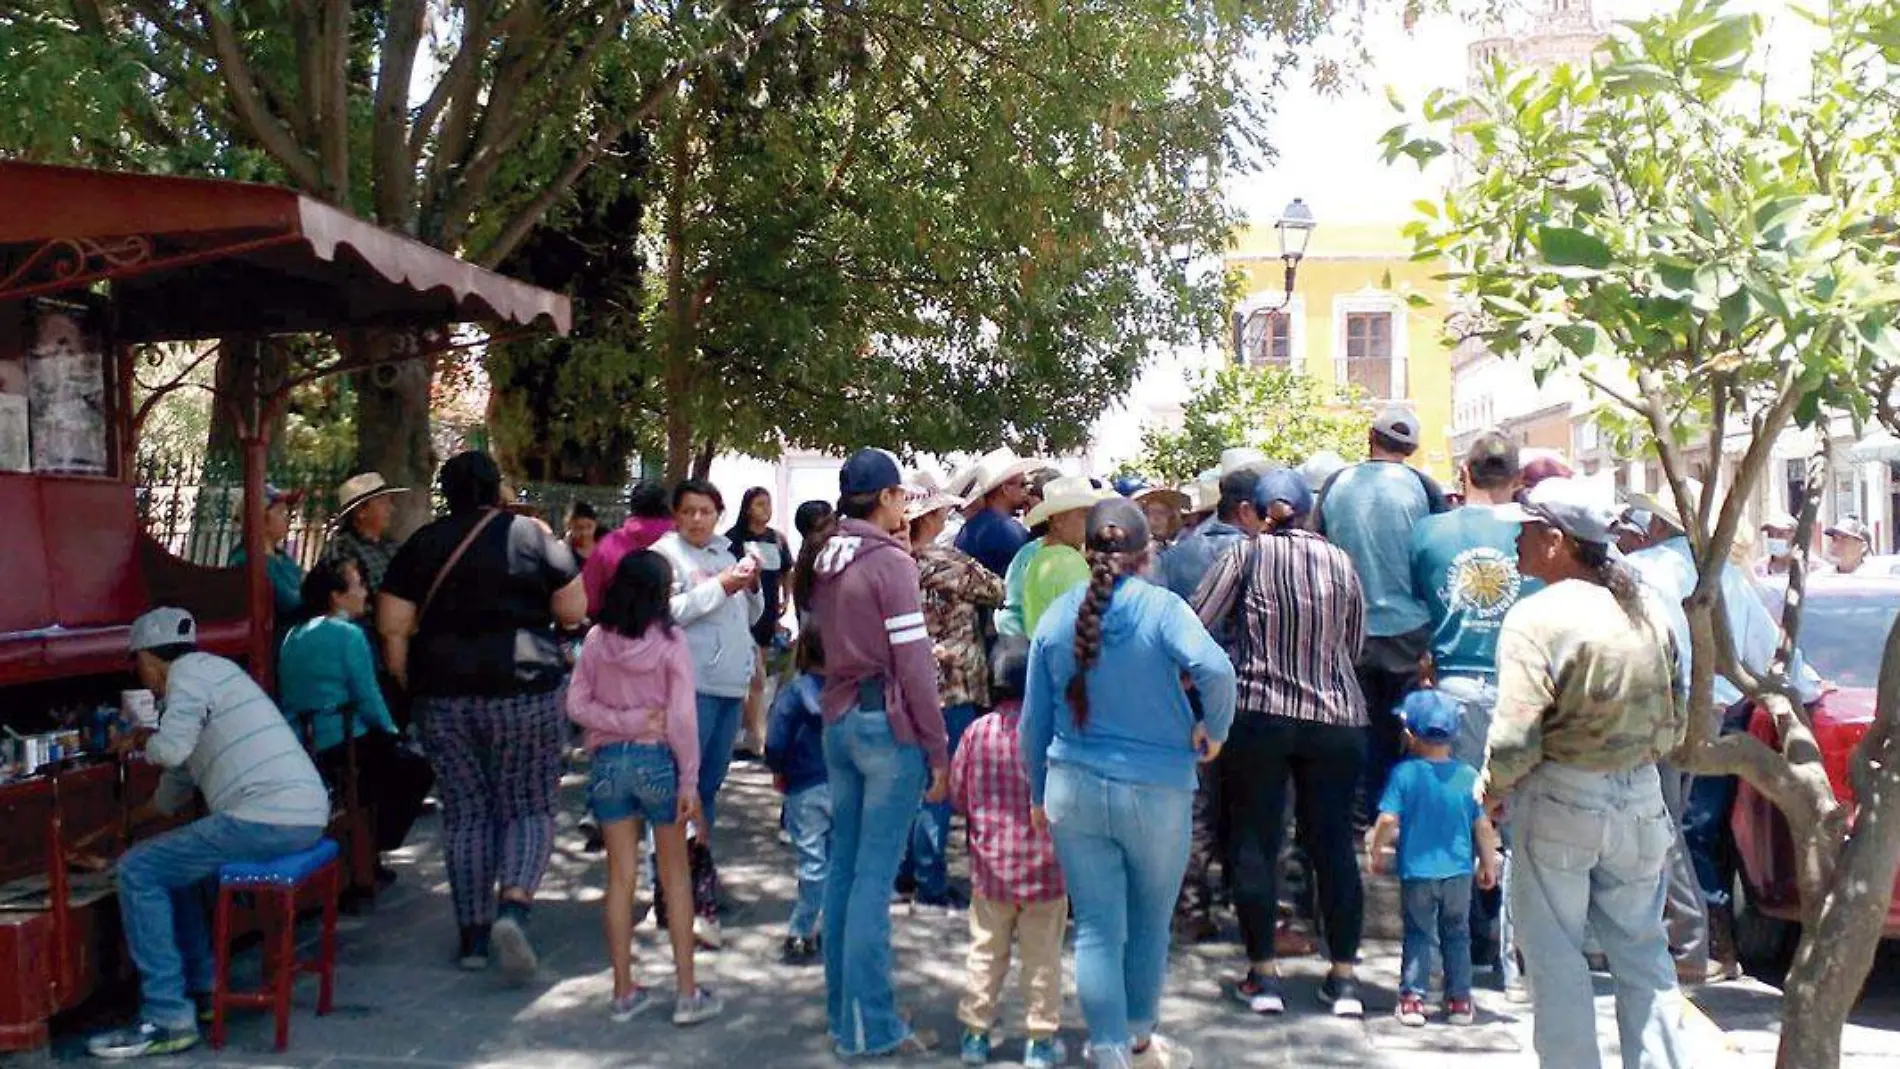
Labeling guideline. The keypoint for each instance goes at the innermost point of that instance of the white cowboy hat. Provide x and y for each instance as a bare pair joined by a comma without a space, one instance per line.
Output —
1242,457
360,488
923,496
1662,504
997,467
1066,495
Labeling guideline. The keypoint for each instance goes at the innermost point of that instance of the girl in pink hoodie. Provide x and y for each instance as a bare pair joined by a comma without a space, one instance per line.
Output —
632,691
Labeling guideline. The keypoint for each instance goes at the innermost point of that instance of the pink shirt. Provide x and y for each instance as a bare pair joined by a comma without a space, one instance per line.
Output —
630,537
638,690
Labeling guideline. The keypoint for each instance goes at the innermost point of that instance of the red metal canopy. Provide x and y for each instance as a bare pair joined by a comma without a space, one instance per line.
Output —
201,258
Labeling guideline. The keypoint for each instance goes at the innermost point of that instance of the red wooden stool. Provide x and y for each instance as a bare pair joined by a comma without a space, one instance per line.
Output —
276,885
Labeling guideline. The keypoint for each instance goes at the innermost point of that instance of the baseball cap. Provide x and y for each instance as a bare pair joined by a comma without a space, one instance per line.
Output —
1492,456
1851,527
1117,525
1283,484
1576,507
166,626
273,495
1397,423
1778,521
1430,715
868,472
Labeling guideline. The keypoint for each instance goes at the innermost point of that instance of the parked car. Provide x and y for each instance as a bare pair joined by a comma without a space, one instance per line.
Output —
1843,635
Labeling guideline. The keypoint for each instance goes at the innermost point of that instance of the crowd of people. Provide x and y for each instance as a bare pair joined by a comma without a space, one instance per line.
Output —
1132,694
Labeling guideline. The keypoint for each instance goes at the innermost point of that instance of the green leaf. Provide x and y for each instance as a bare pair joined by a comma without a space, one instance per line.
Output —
1569,247
1727,38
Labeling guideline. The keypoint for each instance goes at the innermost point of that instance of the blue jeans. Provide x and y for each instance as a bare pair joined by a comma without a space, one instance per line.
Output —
876,785
1123,849
718,731
927,860
163,883
1589,860
1437,923
1705,821
808,819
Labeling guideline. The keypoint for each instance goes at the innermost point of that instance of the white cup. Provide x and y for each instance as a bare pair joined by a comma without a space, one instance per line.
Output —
139,708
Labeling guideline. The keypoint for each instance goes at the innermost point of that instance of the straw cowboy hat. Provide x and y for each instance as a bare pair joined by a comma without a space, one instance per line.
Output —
1242,457
1662,504
997,467
922,496
360,488
1168,496
1067,495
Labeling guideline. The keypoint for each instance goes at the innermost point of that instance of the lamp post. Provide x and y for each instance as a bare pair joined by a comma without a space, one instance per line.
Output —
1295,228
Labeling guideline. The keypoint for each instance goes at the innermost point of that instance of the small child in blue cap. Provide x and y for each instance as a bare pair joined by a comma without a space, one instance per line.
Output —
1431,806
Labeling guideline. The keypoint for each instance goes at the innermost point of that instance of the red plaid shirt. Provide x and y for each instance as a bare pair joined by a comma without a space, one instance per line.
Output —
1009,859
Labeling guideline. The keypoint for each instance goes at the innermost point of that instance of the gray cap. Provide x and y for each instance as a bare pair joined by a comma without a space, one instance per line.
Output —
164,627
1399,424
1576,507
1851,527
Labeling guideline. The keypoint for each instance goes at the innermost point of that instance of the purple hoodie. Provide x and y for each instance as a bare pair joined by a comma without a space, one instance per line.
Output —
867,603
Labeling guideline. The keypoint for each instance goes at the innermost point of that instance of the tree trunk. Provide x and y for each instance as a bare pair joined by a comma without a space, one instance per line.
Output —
1837,946
246,368
678,334
702,460
392,429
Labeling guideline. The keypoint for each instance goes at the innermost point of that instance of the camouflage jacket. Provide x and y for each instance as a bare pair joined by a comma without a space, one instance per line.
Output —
955,585
1581,686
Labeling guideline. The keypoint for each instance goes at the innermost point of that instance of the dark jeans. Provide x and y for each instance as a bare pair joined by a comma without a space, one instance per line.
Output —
1206,846
1437,925
390,778
1323,762
1388,670
1705,821
927,855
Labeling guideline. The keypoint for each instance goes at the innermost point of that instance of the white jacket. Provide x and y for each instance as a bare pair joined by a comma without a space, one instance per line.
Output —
718,625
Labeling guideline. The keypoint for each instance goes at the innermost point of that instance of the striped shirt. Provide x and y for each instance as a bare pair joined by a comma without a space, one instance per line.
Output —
218,731
1300,629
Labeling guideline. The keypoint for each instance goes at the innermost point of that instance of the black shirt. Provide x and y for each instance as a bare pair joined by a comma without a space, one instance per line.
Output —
769,579
490,630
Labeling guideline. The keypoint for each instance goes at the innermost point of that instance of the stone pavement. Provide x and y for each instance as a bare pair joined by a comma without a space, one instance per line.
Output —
400,1001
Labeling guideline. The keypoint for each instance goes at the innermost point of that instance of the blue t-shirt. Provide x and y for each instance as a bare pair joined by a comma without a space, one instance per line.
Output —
1464,566
1436,803
1369,511
993,539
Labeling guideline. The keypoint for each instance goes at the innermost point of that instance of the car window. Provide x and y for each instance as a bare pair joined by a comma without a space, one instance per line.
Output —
1843,634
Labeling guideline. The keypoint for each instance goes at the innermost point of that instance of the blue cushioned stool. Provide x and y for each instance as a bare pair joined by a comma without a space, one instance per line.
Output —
276,885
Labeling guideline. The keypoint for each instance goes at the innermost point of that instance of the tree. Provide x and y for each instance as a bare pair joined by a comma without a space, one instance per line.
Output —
1712,256
325,96
1284,414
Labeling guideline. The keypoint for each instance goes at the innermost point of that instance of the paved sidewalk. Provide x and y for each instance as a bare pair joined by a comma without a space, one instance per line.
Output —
401,1001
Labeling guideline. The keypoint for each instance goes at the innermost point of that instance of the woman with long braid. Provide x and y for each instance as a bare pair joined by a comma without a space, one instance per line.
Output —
1110,743
1587,702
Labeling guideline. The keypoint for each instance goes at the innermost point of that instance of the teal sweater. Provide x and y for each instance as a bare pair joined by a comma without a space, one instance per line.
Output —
323,666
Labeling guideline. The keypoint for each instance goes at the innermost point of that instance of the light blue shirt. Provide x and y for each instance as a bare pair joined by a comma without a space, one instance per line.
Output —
1187,562
323,666
1140,726
1669,569
1369,511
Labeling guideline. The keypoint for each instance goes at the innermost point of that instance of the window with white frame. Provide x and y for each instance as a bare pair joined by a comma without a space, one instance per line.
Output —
1367,359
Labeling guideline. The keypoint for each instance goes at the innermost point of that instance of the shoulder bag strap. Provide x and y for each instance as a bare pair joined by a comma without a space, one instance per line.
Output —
454,559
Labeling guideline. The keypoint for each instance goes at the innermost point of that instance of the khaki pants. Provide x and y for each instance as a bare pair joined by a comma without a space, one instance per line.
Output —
1038,927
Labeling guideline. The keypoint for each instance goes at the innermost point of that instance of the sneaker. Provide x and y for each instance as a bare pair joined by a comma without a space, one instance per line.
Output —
916,1045
1163,1053
1411,1010
144,1040
1460,1011
1044,1053
1259,993
473,953
975,1048
798,950
1342,994
701,1005
512,949
706,932
626,1007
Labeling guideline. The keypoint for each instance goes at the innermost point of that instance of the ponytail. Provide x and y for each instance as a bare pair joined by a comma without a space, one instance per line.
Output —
1104,569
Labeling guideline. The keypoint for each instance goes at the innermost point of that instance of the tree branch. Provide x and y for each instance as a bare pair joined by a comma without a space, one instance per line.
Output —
270,133
395,171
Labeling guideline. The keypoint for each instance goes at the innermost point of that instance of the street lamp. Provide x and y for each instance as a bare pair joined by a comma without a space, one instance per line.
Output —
1295,228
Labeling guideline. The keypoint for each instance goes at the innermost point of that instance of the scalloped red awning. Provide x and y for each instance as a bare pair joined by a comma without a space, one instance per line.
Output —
203,258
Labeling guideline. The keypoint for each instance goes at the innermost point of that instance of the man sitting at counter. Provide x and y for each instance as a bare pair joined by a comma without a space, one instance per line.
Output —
221,735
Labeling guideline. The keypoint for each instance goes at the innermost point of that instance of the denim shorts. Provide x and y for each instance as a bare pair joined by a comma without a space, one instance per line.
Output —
634,779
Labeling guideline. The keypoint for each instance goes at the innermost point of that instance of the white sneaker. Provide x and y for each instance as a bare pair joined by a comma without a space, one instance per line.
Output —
1163,1053
707,933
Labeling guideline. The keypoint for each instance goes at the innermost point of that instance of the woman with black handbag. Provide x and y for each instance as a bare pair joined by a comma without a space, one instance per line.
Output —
467,613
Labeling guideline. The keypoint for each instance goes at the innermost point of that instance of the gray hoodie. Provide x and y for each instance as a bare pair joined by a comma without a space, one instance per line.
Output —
718,625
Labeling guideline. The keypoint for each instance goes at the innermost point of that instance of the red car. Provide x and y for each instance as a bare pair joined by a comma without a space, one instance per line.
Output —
1843,633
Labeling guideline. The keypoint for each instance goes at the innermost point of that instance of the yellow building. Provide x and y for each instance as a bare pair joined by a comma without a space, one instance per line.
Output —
1349,321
